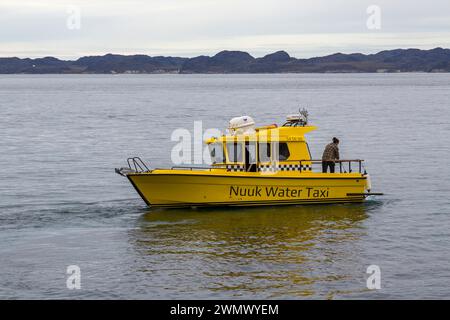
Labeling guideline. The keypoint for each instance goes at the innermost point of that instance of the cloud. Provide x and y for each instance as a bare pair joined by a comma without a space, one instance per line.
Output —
193,27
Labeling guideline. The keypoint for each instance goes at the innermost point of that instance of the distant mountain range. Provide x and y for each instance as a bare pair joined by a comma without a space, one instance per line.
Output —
400,60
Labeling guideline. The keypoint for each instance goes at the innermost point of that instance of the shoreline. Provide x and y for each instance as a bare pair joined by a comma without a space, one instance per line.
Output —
238,62
217,74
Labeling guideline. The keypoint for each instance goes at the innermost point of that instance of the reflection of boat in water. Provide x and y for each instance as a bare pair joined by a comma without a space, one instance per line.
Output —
258,227
266,221
253,252
268,165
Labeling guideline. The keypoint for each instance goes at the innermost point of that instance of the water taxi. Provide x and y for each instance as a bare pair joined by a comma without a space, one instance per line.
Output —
252,166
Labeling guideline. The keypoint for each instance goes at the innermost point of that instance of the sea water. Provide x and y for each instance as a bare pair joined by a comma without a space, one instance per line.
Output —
62,205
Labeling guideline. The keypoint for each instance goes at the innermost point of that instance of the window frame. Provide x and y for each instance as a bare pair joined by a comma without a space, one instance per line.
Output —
242,152
211,147
279,151
251,144
268,147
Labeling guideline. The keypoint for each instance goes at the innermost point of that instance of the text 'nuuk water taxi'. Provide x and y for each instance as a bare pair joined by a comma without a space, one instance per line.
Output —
252,166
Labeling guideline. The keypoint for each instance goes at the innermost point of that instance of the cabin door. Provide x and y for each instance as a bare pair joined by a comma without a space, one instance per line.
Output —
250,156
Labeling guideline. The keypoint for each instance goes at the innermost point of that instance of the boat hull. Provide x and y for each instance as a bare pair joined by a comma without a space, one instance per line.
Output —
202,189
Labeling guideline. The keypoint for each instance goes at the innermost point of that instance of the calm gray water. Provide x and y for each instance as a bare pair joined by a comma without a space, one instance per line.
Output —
62,204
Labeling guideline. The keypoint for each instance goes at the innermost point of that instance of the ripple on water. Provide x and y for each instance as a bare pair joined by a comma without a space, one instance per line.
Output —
61,202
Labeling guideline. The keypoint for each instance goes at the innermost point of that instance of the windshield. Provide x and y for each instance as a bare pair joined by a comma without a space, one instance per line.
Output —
216,153
234,150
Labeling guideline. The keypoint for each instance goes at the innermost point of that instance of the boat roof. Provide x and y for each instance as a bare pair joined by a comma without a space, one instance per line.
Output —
268,133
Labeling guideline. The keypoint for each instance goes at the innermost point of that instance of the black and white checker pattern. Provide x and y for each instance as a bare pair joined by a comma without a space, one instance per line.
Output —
306,167
271,167
267,168
235,167
289,167
284,167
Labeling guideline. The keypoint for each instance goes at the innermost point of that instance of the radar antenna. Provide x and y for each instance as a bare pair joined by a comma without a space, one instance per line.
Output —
303,115
297,120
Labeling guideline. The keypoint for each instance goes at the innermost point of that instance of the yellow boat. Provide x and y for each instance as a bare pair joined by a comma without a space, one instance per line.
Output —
252,166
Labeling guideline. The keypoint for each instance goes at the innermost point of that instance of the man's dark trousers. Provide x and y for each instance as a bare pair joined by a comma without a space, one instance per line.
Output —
326,164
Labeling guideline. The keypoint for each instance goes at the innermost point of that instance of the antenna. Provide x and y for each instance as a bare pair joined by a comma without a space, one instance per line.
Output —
303,115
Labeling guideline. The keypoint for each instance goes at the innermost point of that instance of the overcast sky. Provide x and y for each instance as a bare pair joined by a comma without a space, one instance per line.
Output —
304,28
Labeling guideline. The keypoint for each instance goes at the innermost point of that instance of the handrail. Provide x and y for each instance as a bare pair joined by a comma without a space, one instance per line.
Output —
198,167
137,163
337,160
359,161
140,166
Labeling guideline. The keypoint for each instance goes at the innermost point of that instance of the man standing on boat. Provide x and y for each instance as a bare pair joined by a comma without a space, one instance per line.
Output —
330,154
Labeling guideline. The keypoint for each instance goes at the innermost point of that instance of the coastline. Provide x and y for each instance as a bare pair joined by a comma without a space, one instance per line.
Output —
238,62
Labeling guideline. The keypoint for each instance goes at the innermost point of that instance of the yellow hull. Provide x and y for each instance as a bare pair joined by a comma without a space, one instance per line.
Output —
185,188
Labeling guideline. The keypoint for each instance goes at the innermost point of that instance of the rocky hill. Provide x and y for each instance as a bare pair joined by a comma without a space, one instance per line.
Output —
399,60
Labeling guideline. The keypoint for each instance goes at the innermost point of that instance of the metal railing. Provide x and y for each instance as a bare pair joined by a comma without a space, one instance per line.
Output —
342,169
340,162
137,164
192,168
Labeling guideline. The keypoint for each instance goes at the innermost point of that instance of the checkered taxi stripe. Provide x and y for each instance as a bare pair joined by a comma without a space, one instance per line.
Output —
235,167
284,167
273,168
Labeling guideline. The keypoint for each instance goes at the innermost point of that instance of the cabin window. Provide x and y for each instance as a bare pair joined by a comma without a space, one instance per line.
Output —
264,151
234,150
309,151
283,151
216,152
250,152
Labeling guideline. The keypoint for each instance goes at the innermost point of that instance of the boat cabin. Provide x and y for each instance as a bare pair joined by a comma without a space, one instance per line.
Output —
271,148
